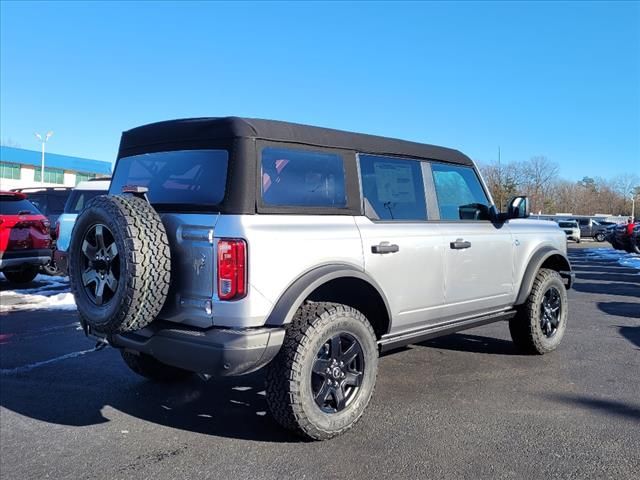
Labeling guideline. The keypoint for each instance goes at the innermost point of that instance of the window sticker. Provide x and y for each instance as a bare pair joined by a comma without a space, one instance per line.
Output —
394,182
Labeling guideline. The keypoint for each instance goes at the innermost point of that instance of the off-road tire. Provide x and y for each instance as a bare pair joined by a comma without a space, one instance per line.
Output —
148,367
288,376
526,331
144,263
25,275
599,237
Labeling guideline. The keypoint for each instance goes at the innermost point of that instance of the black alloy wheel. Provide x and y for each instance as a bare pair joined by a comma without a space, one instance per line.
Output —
338,371
101,264
550,312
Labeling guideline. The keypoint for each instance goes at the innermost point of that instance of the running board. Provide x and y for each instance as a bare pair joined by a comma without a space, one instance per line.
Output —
433,331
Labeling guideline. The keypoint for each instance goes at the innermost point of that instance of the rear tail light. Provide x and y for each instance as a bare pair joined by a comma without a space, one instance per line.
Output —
232,269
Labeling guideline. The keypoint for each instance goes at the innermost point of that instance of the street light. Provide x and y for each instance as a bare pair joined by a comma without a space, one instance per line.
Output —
633,206
43,141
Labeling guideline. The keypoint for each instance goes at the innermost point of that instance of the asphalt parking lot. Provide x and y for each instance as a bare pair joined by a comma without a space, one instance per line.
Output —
462,406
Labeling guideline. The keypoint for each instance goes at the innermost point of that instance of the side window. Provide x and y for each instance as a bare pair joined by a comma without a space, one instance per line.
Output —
393,188
302,178
460,194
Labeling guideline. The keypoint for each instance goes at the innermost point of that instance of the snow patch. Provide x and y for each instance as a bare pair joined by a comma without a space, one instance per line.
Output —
630,260
52,293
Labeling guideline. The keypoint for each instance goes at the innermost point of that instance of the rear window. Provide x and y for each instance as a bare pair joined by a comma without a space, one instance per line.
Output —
180,178
79,198
292,177
15,205
50,202
567,225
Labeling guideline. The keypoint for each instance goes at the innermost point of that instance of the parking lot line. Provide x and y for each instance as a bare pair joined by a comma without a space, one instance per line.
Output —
31,366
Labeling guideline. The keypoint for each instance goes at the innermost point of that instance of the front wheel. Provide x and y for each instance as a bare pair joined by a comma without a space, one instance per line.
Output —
321,381
540,323
599,237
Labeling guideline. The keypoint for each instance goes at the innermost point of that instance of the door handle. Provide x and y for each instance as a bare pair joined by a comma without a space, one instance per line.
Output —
460,244
384,247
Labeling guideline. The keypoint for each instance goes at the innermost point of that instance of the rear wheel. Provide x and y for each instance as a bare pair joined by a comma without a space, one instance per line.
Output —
25,275
321,381
148,367
540,323
119,263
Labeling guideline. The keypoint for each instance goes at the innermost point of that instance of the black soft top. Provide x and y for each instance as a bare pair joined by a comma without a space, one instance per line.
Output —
193,132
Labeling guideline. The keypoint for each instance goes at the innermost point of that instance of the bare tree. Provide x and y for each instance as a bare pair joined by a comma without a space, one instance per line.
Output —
539,174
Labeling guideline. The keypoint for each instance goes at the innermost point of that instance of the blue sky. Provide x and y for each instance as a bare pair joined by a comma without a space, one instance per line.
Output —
554,79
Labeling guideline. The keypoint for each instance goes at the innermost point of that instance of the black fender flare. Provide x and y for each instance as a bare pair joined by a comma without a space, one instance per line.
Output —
536,261
289,302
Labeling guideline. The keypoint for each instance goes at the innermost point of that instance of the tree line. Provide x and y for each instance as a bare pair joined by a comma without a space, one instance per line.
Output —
548,193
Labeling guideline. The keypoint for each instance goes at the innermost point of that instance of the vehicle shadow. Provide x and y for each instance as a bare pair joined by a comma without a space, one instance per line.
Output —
631,333
609,276
610,407
621,309
472,343
609,288
232,408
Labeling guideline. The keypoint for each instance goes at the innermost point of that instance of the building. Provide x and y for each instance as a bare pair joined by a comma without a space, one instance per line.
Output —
20,168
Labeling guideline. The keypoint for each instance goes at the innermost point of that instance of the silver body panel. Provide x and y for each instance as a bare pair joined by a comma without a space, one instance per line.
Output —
425,282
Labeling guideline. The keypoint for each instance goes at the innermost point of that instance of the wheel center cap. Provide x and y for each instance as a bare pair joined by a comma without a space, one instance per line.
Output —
100,265
336,372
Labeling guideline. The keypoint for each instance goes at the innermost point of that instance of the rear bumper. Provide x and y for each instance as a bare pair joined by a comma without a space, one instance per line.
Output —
15,259
214,351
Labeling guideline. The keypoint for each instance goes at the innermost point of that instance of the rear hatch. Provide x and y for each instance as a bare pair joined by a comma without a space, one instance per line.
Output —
185,187
22,226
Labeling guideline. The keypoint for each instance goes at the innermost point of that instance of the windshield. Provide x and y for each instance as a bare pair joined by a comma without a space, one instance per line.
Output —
178,178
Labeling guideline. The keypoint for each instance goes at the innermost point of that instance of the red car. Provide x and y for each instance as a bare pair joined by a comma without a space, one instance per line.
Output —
25,241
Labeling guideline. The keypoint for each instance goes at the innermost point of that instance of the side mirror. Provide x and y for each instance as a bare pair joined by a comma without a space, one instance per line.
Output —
518,207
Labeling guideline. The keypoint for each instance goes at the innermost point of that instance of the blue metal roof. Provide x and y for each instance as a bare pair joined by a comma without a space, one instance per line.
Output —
54,160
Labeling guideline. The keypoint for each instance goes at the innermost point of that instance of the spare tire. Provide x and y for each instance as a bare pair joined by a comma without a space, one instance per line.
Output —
119,264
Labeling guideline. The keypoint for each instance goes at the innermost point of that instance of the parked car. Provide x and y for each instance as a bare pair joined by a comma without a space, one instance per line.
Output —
610,235
77,200
623,234
50,202
25,242
590,228
571,229
227,245
635,239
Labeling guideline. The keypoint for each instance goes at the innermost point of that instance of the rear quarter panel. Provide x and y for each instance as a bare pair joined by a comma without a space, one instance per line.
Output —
280,249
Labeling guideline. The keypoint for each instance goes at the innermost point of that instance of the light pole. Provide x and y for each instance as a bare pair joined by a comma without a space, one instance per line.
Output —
43,141
633,206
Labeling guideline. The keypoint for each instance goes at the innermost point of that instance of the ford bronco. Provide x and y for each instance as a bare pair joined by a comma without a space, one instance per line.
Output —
226,245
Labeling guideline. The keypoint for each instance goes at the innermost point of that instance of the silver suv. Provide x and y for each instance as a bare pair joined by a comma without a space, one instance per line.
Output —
226,245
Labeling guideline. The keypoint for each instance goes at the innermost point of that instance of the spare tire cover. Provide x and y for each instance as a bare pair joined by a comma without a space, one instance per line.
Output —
119,264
